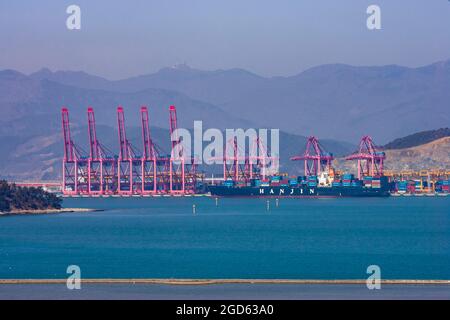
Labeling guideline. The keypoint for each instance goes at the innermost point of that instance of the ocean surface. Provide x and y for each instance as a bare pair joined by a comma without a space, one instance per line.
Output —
408,238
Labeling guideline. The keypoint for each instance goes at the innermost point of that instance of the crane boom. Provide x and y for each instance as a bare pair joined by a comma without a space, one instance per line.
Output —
69,154
124,154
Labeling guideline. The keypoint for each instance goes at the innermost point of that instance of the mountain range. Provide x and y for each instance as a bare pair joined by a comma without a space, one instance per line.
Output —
335,100
338,102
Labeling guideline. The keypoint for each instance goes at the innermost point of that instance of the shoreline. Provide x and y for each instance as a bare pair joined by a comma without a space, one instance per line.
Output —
202,282
47,211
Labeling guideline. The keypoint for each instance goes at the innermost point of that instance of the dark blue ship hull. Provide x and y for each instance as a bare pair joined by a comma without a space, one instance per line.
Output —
298,191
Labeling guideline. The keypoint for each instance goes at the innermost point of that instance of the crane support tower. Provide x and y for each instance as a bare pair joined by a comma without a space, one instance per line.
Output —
129,178
316,159
369,157
75,163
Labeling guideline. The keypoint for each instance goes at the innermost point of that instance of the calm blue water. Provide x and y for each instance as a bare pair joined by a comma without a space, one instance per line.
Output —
409,238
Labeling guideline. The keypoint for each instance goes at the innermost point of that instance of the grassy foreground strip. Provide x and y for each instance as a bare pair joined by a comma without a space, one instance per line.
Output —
220,281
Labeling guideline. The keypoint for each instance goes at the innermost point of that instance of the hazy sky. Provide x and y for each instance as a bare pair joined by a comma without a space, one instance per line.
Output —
124,38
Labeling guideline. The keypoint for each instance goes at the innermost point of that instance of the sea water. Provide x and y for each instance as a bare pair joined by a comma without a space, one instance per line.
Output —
408,238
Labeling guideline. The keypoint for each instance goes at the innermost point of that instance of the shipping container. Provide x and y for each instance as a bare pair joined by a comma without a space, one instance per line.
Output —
255,183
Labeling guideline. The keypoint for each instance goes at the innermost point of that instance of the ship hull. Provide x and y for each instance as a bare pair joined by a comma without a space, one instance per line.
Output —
297,192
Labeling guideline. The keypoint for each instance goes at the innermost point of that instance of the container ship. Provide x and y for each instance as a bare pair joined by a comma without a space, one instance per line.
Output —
319,180
322,186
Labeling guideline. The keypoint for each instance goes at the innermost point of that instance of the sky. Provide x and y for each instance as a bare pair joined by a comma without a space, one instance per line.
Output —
119,39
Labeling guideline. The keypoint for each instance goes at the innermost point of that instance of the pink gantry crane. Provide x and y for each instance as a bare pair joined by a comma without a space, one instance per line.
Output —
235,163
370,158
316,159
129,179
129,173
240,166
75,163
177,157
102,163
258,160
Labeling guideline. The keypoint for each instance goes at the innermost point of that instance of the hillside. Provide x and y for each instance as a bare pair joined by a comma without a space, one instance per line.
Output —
432,155
25,96
418,139
435,154
334,100
339,101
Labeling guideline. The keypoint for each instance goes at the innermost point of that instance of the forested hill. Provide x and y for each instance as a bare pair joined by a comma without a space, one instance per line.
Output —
13,197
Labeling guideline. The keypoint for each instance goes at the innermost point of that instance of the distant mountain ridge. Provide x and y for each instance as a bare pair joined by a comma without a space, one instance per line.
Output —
418,139
339,101
334,100
22,96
